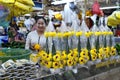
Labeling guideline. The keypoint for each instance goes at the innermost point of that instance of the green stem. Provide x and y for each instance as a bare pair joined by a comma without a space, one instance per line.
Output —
79,47
47,49
67,45
88,44
110,41
71,47
105,42
53,47
97,43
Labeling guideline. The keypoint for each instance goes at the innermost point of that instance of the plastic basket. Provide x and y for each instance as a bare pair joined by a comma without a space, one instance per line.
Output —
14,54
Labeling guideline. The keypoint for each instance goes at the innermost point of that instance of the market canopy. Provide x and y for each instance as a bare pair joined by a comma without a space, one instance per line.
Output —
17,7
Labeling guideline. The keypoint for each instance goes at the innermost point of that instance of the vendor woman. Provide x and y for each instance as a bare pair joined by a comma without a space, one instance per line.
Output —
37,37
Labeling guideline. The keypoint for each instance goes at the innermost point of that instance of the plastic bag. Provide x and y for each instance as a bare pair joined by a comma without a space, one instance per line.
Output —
75,24
102,29
110,40
96,8
83,38
94,29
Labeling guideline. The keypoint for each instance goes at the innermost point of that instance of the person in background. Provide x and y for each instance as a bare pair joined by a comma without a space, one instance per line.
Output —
37,36
2,32
34,27
13,24
14,35
29,23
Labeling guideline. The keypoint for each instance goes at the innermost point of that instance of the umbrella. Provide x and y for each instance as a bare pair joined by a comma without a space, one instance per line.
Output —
17,7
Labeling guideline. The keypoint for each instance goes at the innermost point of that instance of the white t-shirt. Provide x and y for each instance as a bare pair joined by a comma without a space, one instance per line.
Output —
33,38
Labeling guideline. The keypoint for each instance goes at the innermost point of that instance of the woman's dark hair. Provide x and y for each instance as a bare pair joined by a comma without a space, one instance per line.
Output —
14,25
89,22
40,17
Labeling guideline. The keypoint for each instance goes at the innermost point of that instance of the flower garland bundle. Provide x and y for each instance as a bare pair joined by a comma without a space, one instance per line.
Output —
72,56
93,54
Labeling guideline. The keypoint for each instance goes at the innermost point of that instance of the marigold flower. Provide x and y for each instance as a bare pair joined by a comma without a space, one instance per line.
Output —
63,55
56,57
83,54
69,62
113,51
70,56
56,65
93,57
100,56
33,58
78,33
66,34
59,34
52,34
82,60
42,62
48,64
64,62
110,33
44,55
72,33
87,34
49,57
97,33
37,46
46,34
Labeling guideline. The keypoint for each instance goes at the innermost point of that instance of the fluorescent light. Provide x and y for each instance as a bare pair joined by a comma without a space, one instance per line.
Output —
37,8
62,2
111,7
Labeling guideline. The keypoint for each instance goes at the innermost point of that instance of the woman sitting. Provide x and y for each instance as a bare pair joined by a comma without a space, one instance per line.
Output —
14,35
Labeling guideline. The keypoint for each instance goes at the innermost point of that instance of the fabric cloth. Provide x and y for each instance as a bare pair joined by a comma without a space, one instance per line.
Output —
19,36
33,38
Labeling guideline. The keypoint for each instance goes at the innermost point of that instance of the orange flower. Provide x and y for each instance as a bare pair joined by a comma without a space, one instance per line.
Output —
36,46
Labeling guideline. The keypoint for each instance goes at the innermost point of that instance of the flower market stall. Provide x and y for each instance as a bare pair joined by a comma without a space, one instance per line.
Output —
73,51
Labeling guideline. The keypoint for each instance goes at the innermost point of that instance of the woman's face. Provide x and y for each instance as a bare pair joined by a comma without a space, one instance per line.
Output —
40,25
13,30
